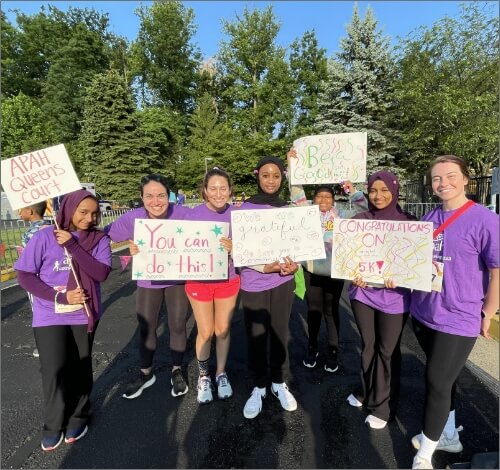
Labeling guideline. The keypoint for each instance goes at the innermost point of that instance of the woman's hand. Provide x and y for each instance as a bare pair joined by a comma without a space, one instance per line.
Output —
390,283
76,296
133,247
485,327
62,236
288,266
358,282
227,243
272,267
292,153
348,187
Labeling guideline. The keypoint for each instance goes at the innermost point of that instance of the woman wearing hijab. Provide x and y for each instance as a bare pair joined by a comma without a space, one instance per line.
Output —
267,294
380,315
63,269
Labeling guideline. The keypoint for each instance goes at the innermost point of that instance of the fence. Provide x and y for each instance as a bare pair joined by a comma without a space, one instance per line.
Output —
11,231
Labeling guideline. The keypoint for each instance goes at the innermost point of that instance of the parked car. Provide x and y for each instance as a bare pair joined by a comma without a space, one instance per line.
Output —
105,205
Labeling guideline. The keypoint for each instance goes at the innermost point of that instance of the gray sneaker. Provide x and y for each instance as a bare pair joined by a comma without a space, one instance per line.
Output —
224,389
204,390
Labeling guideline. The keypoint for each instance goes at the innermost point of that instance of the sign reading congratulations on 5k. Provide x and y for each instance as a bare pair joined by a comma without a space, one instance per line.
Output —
37,176
329,158
179,250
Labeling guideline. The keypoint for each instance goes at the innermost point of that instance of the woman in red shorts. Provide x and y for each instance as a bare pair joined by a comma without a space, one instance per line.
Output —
214,302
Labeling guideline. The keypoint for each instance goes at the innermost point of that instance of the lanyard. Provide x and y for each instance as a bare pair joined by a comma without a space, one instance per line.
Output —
452,219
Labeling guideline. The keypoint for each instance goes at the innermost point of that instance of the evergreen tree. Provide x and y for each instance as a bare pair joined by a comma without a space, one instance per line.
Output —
115,151
357,95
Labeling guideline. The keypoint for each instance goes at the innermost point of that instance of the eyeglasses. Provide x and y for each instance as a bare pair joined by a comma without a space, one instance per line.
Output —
150,197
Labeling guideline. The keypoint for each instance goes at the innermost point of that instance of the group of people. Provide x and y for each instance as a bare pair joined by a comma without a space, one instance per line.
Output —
446,321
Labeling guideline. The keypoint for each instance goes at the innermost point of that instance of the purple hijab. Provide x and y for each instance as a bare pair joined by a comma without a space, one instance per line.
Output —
88,239
393,211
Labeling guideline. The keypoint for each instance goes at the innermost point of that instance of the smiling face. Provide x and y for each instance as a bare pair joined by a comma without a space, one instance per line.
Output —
155,197
448,183
85,216
217,192
379,194
270,178
324,200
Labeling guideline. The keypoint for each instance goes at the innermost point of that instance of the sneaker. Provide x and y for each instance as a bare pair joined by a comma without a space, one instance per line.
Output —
204,390
179,385
332,363
224,389
311,356
353,401
52,442
445,443
375,423
36,353
420,462
253,406
142,382
286,399
72,435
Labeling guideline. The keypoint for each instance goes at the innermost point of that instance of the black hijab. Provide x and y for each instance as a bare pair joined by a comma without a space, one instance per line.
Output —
269,199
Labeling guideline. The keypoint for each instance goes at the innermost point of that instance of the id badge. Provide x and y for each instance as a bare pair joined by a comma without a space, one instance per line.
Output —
437,276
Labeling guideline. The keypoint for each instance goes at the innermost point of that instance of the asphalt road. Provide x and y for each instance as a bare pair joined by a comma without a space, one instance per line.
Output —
159,431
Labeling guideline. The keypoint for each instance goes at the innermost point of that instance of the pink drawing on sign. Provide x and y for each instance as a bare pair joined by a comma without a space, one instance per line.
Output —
380,264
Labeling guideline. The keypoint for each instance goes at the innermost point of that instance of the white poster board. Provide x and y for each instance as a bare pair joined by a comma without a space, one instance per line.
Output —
266,235
329,158
378,249
179,250
37,176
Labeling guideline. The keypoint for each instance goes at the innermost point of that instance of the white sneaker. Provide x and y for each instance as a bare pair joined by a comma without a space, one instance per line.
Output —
253,406
286,399
420,462
375,423
353,401
204,390
445,443
224,389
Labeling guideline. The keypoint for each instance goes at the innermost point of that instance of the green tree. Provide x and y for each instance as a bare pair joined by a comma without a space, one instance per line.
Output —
356,97
165,62
24,127
114,149
447,92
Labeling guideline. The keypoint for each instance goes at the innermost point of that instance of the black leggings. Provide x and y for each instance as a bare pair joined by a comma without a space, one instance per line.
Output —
446,356
323,297
149,302
267,314
380,358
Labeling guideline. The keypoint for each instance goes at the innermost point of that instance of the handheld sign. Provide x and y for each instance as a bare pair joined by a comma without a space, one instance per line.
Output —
329,158
179,250
38,175
266,235
383,249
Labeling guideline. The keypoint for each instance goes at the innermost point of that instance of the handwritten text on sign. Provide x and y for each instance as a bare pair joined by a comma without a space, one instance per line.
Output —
267,235
329,158
37,176
179,250
381,249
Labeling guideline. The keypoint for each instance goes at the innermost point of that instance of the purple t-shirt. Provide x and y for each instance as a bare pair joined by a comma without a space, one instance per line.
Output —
122,229
468,248
43,255
203,213
255,281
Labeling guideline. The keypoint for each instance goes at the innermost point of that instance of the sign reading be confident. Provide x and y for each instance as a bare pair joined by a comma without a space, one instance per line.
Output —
267,235
38,176
179,250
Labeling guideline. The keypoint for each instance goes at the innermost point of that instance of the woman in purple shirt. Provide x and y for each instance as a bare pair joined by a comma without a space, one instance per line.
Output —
213,302
448,319
152,294
380,315
63,269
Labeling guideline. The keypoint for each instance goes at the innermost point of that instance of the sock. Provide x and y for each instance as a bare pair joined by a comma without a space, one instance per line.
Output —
427,447
203,368
449,428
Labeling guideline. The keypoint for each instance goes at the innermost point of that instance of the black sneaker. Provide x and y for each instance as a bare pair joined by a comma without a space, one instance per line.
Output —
332,363
143,381
311,356
179,385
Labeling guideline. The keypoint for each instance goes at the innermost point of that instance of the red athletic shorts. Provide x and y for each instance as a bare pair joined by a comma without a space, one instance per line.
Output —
206,291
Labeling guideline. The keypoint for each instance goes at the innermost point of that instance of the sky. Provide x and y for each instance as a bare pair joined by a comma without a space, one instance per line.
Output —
328,18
